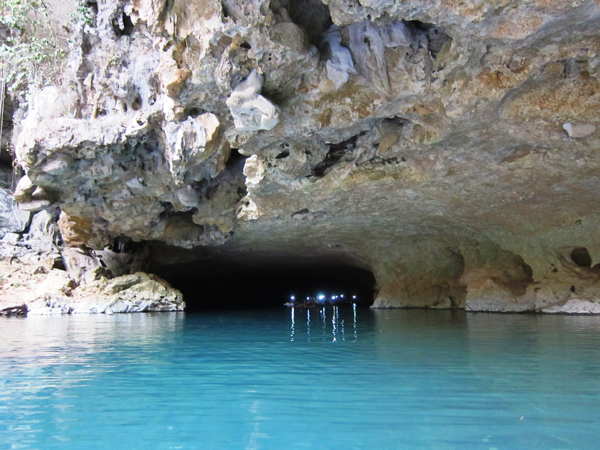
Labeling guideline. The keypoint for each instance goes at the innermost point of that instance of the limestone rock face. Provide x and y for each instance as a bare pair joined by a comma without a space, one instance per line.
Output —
12,219
24,233
450,147
575,306
139,292
46,290
250,110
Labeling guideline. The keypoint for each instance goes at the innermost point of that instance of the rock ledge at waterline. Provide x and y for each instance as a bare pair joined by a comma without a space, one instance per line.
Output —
53,292
451,148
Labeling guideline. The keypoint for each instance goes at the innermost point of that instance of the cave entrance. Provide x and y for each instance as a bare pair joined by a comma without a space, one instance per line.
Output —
235,285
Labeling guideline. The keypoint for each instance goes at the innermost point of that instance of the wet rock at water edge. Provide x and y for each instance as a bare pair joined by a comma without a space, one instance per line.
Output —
14,311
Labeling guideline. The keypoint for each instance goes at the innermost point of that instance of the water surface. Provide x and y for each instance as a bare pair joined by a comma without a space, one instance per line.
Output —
267,379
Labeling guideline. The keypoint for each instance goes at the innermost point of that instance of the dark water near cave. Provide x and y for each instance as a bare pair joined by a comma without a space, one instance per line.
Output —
260,380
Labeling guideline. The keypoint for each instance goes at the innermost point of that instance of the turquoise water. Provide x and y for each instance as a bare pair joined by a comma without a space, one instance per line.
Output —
260,380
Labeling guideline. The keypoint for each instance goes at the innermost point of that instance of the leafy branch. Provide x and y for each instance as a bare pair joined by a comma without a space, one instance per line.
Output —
30,51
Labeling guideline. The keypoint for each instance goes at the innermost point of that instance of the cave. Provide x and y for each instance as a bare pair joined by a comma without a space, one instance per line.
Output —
334,154
310,15
122,25
8,108
581,257
240,283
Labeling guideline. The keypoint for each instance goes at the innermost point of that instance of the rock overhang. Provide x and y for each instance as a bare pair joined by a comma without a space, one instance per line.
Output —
446,169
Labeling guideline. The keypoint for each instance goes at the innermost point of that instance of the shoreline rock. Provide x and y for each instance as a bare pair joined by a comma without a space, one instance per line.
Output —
52,292
14,311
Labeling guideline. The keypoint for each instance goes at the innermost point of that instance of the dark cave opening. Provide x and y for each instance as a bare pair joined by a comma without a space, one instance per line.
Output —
231,285
334,154
122,25
310,15
93,5
435,37
581,257
9,107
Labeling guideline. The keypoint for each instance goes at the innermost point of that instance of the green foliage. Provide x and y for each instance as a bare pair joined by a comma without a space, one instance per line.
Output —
82,14
30,51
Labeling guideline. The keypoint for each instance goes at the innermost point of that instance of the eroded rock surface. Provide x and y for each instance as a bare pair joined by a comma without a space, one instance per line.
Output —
44,290
12,219
452,148
138,292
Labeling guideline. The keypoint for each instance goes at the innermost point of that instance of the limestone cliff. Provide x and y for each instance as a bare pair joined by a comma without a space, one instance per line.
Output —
450,147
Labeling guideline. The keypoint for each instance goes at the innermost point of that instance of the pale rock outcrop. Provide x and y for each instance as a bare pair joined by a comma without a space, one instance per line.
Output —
254,170
12,219
190,144
42,235
82,266
578,131
250,110
30,197
31,236
574,306
138,292
340,65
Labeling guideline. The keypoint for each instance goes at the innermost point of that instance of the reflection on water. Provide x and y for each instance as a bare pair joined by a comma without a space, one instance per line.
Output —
332,325
34,340
328,377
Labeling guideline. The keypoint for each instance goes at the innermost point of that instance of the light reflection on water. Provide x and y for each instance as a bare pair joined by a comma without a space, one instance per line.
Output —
330,377
330,330
333,330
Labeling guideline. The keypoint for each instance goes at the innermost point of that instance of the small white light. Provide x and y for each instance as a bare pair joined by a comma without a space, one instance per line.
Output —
307,298
354,297
321,297
342,295
292,297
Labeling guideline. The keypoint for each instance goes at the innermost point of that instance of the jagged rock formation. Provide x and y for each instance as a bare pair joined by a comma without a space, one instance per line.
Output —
46,290
12,219
452,148
138,292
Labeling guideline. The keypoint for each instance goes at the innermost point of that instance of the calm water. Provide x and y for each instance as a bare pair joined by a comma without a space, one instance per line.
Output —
258,379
